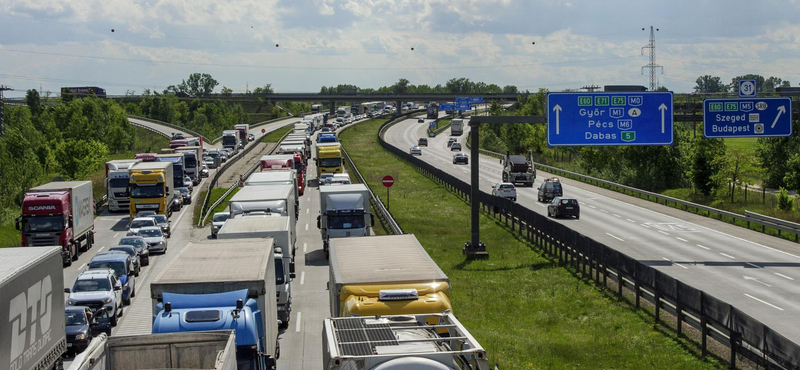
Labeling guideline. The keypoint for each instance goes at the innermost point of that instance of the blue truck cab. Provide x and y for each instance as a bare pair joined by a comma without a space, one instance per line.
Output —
326,138
218,311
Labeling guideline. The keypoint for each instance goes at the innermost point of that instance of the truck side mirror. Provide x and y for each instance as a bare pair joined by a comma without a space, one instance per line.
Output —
17,223
319,224
109,308
372,220
70,220
67,290
291,268
167,189
292,275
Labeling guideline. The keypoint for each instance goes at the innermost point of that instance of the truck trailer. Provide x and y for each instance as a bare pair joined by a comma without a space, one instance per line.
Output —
276,200
518,169
281,231
399,343
191,157
344,212
59,213
33,325
178,164
385,275
243,129
222,285
457,127
277,177
117,178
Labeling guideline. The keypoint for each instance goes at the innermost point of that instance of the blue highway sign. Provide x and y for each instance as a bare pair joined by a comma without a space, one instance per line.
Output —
462,99
432,124
609,118
463,106
476,100
753,117
447,106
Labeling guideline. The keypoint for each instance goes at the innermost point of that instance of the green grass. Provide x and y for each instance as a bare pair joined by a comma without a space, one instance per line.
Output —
276,135
215,194
9,236
526,311
747,144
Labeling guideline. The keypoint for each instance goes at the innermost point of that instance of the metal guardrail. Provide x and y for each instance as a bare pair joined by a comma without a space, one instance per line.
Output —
748,217
257,124
176,127
743,335
100,203
776,223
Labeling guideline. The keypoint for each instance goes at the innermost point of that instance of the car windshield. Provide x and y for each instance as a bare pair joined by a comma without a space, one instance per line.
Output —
221,217
75,318
150,233
136,242
346,222
184,191
91,285
142,191
117,266
129,251
43,223
136,224
161,219
554,187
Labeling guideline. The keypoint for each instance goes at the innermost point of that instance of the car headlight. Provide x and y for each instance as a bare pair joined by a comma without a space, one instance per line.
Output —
145,251
160,243
80,336
214,227
70,302
130,233
108,300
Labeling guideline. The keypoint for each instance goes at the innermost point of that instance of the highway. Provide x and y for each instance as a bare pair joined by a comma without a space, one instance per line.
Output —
301,342
754,272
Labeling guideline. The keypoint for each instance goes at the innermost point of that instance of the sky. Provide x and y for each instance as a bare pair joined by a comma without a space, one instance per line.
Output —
301,45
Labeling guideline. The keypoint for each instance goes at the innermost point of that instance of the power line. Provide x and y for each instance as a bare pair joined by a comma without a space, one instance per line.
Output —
652,66
2,107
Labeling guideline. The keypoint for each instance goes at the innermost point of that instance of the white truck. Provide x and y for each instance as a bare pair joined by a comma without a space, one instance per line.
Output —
117,177
230,140
457,127
400,343
282,233
277,177
276,200
234,280
192,156
31,337
344,212
201,350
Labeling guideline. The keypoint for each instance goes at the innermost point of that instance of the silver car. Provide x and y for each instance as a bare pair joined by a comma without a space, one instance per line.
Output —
164,224
217,221
138,223
154,238
97,289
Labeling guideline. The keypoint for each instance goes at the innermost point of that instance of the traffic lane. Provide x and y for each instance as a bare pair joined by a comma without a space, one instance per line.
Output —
726,279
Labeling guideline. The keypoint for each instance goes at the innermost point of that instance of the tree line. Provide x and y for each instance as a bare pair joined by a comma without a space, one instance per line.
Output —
404,86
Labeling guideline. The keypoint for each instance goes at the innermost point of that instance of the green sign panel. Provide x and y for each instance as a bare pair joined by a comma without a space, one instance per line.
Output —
628,135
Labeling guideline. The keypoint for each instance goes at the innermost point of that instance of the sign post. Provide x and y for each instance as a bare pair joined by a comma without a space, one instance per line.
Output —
747,117
609,118
387,181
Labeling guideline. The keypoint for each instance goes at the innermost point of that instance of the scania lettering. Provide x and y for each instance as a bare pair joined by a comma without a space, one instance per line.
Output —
61,214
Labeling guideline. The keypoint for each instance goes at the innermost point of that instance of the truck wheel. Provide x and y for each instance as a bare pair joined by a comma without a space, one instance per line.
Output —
59,365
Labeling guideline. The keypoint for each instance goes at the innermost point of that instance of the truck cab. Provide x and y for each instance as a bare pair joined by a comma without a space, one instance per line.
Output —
329,158
150,188
344,212
518,169
230,139
233,310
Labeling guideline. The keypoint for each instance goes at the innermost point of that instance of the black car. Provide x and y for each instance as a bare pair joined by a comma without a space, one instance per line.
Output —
141,247
186,195
450,141
82,324
564,207
131,251
423,142
460,158
455,146
550,189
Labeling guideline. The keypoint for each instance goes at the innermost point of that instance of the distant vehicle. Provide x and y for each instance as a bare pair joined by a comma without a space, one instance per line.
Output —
138,223
550,189
450,141
455,146
460,158
186,195
208,162
140,245
251,137
340,179
561,206
326,129
84,91
177,136
505,190
416,150
187,183
457,127
325,178
79,333
164,224
217,221
421,120
177,201
204,170
422,141
131,251
97,289
154,238
518,169
122,264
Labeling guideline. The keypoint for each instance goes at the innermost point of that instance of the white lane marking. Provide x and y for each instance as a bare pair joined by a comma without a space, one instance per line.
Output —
305,247
764,302
82,266
309,199
591,206
681,239
616,215
704,247
784,276
728,255
663,232
674,263
101,248
604,211
306,227
629,220
297,327
756,280
307,210
615,237
644,226
115,235
302,277
753,265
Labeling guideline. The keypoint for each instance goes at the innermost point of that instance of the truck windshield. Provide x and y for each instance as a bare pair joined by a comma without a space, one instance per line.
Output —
117,266
229,141
346,222
75,318
44,223
246,358
93,285
118,183
279,278
191,162
144,191
330,162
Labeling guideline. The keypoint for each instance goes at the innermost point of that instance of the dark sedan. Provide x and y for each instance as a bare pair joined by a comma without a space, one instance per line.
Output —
79,333
564,207
141,247
460,158
186,195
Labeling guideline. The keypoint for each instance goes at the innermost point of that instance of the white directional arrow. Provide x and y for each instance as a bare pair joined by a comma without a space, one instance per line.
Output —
662,108
756,280
781,110
557,109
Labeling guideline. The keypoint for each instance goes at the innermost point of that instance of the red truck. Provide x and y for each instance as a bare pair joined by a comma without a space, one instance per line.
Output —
286,162
243,130
60,214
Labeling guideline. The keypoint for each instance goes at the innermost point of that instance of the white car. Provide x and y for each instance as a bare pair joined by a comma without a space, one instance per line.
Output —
505,190
138,223
416,150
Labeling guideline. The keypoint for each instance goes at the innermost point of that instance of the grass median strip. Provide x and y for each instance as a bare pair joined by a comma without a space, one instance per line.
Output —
526,311
276,135
215,195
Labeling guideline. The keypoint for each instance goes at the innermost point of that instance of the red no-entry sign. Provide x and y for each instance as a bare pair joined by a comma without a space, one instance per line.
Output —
263,130
388,181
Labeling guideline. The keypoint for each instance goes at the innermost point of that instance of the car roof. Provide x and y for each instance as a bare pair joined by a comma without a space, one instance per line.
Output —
121,246
143,218
504,183
114,257
76,308
222,213
96,274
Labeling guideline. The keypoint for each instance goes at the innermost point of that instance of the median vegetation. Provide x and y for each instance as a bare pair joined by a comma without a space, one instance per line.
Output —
528,312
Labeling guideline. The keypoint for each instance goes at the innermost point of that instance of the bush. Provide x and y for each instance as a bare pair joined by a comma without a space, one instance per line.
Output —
784,202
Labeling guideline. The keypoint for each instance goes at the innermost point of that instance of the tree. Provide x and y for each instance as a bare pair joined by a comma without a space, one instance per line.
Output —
79,158
662,88
772,83
734,166
510,89
266,90
34,102
226,91
198,84
760,82
792,177
773,157
401,86
709,84
702,168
